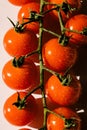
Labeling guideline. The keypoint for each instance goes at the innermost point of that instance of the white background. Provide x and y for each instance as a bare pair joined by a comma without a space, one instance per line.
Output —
8,10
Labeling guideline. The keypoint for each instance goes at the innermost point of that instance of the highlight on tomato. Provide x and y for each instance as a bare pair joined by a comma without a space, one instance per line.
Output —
19,43
62,90
64,118
24,15
20,74
19,111
77,23
57,57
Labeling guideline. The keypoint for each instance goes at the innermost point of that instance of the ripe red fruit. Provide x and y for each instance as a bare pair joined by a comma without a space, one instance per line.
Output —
24,12
78,23
20,78
67,119
19,43
18,2
23,115
24,129
57,57
63,94
72,3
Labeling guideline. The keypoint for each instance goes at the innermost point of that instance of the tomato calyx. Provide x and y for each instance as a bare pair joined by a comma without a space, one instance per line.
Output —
17,27
69,123
65,80
64,40
84,32
18,62
20,103
66,7
34,16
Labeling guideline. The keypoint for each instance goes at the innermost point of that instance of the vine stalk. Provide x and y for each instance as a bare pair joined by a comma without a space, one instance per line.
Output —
41,63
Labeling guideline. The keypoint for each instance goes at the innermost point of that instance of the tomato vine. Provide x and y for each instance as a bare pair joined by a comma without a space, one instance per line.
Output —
63,40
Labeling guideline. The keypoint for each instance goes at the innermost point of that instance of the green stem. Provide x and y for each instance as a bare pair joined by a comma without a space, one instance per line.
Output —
51,71
51,32
56,114
61,22
33,52
30,92
74,31
69,123
41,62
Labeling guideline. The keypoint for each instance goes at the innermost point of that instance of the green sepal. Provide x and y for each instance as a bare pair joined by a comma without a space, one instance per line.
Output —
20,103
69,123
34,16
64,40
18,62
65,80
84,32
66,7
17,27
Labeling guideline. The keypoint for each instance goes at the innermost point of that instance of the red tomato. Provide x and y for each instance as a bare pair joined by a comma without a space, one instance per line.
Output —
19,78
24,129
64,95
78,23
23,116
59,123
21,2
24,12
57,57
17,44
72,3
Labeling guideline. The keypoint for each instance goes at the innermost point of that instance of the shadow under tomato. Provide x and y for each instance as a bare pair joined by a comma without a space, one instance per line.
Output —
80,69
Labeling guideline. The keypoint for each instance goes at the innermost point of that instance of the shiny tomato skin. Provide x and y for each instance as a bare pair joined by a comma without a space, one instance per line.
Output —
20,78
18,2
21,2
57,57
24,129
78,23
61,94
19,117
72,3
24,12
56,123
17,44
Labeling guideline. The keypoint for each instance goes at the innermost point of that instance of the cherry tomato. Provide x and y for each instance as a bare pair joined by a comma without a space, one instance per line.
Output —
22,2
57,57
17,44
22,116
24,12
78,23
24,129
67,119
72,3
19,78
18,2
64,95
